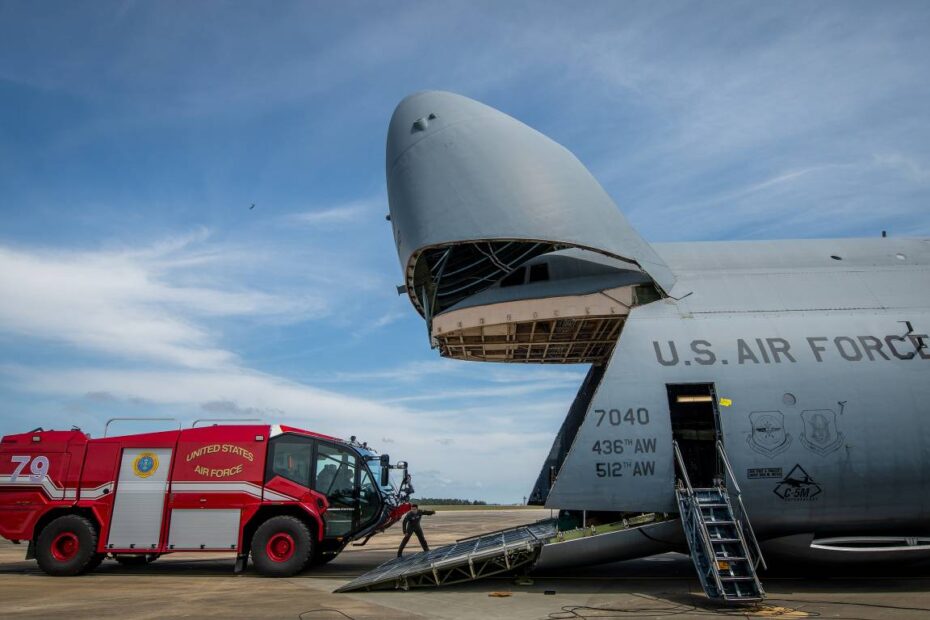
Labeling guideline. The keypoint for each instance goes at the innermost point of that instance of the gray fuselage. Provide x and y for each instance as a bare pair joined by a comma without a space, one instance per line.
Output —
814,347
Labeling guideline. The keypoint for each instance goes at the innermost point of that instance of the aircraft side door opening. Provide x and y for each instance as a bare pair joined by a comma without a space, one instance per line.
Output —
693,415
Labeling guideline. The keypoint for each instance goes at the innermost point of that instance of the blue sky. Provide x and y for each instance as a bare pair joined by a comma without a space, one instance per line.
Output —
135,280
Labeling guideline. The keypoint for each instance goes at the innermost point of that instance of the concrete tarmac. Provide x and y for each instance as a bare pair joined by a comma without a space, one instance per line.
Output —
203,586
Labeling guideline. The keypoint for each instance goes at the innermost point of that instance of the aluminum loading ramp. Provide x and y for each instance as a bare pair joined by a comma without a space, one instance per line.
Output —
466,560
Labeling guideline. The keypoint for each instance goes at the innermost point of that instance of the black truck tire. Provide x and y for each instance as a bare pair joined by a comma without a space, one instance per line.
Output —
67,546
96,561
281,547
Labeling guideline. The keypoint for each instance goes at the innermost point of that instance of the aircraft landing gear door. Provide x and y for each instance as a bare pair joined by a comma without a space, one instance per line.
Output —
694,417
138,507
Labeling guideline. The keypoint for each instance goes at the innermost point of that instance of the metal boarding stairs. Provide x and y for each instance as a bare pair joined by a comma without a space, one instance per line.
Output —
723,545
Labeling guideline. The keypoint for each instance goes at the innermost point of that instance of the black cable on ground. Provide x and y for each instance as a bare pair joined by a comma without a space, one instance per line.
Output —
569,612
585,612
301,615
875,605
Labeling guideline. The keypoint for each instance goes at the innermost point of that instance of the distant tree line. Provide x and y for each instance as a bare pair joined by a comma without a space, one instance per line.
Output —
446,501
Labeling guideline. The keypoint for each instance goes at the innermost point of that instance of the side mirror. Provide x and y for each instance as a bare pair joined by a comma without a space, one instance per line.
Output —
400,465
385,470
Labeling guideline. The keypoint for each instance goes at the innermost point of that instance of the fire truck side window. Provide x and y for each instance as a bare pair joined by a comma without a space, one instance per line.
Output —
291,459
335,471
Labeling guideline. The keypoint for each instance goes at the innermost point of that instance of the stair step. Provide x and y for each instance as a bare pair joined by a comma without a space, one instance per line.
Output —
728,578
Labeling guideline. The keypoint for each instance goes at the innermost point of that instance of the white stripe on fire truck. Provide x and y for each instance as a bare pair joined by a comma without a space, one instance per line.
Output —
54,491
96,492
228,487
277,497
51,489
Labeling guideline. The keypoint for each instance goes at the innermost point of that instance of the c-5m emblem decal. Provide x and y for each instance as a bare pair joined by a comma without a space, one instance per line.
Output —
797,486
821,436
768,434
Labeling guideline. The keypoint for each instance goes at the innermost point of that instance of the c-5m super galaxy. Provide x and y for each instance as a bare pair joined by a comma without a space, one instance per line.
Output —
744,397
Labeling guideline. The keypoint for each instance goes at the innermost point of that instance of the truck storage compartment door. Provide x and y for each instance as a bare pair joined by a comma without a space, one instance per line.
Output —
140,498
204,529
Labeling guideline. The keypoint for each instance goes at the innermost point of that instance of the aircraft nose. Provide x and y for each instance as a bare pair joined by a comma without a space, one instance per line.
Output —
423,114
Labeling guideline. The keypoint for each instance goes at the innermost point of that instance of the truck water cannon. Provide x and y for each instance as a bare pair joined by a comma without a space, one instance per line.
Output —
286,497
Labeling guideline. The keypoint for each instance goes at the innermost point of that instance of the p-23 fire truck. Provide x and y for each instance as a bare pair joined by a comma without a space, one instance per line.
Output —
288,497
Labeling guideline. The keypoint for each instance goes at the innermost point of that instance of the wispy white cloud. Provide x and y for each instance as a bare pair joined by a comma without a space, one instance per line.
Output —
524,389
909,167
351,213
126,304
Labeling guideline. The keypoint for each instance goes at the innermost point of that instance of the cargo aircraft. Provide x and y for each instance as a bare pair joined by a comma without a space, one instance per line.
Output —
744,398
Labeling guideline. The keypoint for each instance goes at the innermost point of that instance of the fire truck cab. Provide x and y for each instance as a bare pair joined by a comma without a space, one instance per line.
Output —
287,497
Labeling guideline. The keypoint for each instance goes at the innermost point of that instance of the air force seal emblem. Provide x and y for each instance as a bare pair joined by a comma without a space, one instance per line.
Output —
821,436
768,434
145,464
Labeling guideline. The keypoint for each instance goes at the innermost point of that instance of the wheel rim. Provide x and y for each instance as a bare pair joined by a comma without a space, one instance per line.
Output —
65,546
280,547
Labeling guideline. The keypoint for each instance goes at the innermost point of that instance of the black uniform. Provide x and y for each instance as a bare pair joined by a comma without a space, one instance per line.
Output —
411,526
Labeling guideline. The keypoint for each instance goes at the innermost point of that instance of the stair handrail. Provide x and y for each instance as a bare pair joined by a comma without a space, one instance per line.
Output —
742,508
705,535
681,465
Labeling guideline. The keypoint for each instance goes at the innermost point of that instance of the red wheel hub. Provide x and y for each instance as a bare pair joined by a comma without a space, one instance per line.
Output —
280,547
65,546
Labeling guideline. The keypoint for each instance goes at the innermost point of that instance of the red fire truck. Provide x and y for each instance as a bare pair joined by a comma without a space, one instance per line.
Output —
287,497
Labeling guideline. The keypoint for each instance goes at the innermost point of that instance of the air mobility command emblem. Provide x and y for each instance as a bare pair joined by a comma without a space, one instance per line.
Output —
821,435
145,464
768,434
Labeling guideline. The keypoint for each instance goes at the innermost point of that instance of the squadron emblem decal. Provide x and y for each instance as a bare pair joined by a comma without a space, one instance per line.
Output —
768,434
821,435
145,464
